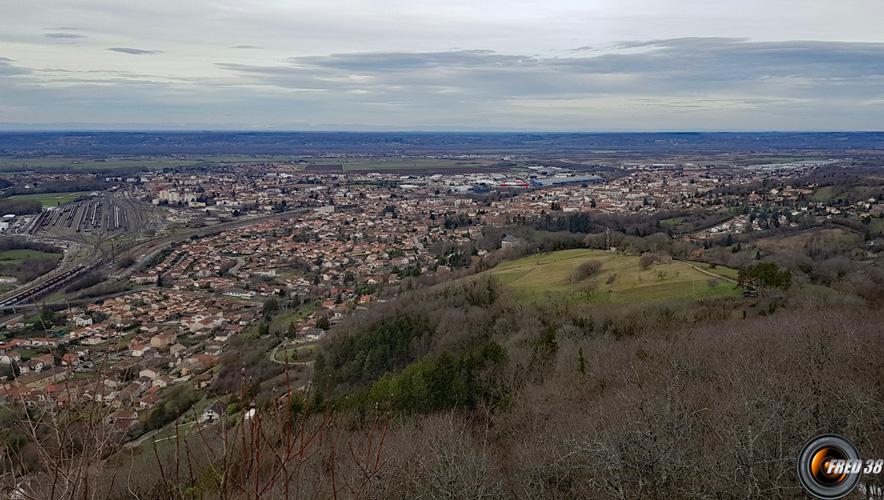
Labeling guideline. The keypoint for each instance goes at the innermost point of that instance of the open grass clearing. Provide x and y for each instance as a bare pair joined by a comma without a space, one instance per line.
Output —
50,199
14,257
621,279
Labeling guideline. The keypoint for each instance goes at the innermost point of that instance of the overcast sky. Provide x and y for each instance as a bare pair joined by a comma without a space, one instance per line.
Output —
594,65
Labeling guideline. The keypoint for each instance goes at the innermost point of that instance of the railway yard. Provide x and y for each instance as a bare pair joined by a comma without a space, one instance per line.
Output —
92,231
100,215
96,234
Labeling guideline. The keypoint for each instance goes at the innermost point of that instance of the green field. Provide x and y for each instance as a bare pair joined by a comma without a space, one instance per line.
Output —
672,221
725,272
379,164
547,277
415,164
15,257
141,163
129,162
26,265
90,165
50,199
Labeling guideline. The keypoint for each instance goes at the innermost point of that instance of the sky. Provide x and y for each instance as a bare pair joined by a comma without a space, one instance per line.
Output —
557,65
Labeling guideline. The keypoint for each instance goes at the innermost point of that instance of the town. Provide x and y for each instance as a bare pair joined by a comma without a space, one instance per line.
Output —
296,251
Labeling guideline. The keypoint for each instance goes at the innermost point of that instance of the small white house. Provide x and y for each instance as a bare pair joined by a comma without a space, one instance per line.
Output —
213,413
81,320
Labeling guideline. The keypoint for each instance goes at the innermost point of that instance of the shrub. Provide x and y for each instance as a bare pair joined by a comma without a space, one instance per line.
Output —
764,275
585,270
89,280
646,261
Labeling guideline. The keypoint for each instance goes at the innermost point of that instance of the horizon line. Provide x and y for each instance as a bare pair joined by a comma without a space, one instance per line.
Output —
444,131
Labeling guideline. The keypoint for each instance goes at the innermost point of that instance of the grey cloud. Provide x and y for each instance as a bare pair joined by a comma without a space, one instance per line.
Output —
683,42
64,36
726,79
681,66
9,69
107,77
136,52
717,83
399,61
245,47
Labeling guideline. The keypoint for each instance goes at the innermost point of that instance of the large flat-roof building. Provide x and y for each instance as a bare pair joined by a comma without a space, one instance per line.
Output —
575,179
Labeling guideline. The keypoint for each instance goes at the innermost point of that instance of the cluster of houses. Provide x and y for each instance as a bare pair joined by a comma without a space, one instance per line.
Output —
338,255
124,351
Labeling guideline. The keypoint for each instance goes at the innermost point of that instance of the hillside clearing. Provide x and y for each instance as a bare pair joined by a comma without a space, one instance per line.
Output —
548,277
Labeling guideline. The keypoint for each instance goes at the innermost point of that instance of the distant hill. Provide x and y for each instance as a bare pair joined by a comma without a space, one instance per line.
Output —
163,143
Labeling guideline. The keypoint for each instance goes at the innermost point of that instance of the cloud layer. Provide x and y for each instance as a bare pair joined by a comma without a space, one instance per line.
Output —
638,85
134,52
57,35
419,64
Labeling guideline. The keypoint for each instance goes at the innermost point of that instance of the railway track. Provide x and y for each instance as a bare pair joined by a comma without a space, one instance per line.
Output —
46,285
98,215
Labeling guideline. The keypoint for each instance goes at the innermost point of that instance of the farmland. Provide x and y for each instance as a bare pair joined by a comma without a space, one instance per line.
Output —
95,164
401,164
147,163
117,164
620,279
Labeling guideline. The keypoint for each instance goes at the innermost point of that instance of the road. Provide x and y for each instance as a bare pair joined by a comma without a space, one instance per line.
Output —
308,364
135,443
240,261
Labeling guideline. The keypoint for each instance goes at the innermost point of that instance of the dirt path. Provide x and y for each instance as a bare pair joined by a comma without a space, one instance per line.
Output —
708,273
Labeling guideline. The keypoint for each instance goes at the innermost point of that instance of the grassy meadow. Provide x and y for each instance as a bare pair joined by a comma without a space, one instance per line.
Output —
50,199
15,257
620,280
